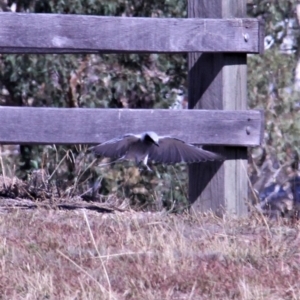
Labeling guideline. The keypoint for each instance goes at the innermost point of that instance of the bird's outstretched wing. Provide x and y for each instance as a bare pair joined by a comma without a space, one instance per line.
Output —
115,148
172,150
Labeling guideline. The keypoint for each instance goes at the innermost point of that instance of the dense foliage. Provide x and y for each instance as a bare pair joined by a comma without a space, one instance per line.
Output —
272,82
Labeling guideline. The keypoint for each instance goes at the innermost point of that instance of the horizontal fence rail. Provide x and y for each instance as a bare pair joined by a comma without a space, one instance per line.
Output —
28,125
58,33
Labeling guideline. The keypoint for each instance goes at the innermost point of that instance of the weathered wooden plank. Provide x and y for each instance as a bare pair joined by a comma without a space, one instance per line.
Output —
57,33
219,81
31,125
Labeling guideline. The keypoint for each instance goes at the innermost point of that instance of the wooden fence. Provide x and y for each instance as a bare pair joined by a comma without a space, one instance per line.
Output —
217,37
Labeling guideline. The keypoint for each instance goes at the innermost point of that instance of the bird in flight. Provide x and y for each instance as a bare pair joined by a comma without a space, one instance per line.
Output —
150,146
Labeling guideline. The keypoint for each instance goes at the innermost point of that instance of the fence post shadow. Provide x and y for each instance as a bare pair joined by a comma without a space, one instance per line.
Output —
212,64
201,175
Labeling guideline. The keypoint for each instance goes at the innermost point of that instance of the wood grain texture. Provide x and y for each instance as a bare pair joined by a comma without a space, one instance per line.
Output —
57,33
28,125
219,81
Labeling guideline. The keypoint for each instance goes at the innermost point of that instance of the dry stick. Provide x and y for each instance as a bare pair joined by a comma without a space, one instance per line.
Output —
71,152
79,148
87,191
124,254
80,173
61,161
67,155
89,166
192,291
78,178
102,288
96,248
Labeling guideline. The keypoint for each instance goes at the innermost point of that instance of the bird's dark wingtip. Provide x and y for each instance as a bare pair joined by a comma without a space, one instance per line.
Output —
220,157
215,157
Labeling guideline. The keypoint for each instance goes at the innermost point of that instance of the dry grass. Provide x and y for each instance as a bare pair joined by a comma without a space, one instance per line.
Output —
84,255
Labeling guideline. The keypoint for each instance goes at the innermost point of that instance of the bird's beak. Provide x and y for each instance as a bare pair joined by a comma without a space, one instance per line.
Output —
156,144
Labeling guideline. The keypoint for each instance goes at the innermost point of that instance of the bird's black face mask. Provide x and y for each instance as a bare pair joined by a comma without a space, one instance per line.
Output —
150,140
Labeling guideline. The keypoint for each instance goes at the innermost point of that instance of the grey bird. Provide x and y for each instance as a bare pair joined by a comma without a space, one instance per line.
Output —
149,146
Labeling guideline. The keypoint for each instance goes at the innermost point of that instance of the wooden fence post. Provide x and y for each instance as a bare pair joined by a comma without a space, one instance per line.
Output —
219,81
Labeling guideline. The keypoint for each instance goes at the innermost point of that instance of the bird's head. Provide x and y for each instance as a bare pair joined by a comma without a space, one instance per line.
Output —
151,137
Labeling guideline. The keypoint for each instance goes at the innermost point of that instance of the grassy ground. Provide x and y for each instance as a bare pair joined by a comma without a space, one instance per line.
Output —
52,254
